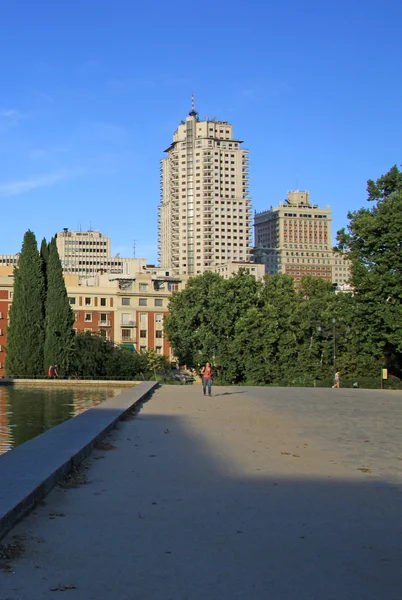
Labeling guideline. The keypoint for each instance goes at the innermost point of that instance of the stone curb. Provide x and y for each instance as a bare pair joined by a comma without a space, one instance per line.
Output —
69,382
30,471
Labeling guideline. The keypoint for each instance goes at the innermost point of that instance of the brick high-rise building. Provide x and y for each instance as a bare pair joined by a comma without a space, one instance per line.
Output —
205,211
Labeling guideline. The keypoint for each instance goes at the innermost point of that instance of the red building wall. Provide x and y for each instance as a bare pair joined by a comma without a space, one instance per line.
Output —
4,308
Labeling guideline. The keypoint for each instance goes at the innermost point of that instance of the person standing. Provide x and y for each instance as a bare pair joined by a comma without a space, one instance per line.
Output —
337,379
207,373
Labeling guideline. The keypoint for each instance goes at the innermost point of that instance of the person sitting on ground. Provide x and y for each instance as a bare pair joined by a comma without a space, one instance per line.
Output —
52,372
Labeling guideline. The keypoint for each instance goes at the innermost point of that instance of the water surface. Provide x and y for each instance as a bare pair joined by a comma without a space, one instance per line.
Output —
26,412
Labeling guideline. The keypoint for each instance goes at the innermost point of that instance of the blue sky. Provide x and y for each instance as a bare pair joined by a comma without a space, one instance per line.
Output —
91,93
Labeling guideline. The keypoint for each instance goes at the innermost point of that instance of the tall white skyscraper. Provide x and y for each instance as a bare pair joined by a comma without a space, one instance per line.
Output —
204,212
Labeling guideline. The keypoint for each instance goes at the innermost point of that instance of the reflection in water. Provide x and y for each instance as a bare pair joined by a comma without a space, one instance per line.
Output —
26,412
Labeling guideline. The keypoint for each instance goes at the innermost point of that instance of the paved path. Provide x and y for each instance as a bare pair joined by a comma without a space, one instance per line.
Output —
255,493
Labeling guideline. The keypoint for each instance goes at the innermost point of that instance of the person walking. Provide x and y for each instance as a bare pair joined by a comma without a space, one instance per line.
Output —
207,373
337,379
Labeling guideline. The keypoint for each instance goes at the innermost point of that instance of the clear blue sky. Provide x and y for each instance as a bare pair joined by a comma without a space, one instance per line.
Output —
92,91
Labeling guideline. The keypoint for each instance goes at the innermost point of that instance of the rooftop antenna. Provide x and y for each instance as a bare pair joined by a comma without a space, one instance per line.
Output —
134,247
193,112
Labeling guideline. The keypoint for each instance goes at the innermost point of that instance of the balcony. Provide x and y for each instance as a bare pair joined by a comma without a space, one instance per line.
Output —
104,323
128,324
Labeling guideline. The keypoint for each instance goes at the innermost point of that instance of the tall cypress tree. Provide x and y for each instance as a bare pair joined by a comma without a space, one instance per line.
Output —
44,254
59,339
26,334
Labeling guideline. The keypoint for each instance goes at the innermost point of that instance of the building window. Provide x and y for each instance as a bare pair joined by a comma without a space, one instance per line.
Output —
143,349
158,318
125,318
159,334
72,300
88,317
143,287
143,319
158,349
173,287
87,301
103,301
158,302
126,335
143,333
125,301
143,301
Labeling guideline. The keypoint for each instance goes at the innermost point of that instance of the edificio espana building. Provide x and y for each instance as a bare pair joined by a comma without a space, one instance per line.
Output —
205,210
295,238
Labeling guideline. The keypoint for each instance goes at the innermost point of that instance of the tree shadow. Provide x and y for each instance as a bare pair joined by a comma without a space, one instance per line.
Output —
220,530
187,518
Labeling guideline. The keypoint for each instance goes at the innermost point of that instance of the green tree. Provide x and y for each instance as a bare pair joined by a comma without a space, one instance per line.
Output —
372,240
91,356
189,326
202,321
44,254
59,321
26,335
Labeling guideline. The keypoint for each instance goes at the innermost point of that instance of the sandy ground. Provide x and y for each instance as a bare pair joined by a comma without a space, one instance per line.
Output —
255,493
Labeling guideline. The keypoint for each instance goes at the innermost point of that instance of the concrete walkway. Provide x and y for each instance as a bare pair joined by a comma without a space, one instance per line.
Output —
255,493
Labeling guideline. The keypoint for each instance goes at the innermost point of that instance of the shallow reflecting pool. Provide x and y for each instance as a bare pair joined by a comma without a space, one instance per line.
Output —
26,412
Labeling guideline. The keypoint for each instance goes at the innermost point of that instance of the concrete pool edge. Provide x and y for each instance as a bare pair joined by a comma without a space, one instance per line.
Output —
30,471
69,382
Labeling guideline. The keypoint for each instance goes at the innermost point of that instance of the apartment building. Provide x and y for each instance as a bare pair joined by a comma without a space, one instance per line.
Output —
229,269
87,253
295,238
6,298
128,310
9,260
205,211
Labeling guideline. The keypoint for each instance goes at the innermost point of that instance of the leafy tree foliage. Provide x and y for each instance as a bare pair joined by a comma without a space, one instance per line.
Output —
266,332
26,335
59,321
373,241
95,357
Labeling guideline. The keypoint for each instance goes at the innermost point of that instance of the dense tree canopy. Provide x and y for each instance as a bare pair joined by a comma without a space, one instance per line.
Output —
264,332
373,241
95,357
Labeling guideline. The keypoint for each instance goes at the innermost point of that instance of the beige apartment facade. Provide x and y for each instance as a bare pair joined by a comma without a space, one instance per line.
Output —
295,238
229,269
205,211
9,260
87,253
125,310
